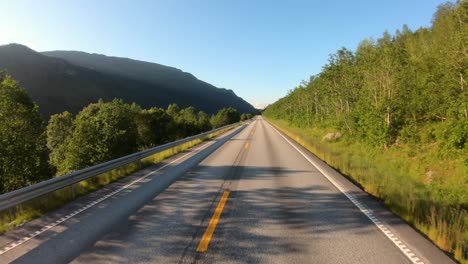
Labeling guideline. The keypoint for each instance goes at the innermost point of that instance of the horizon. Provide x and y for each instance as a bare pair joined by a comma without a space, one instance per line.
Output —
257,63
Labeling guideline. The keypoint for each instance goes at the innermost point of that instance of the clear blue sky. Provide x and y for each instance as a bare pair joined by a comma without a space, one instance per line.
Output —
259,49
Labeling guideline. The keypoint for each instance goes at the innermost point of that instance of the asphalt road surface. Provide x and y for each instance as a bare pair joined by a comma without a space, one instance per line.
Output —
251,195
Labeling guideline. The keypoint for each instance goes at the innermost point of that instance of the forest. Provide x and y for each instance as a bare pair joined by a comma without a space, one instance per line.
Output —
33,150
397,110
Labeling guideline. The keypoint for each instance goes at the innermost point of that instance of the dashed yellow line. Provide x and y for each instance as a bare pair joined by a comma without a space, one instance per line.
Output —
205,241
253,130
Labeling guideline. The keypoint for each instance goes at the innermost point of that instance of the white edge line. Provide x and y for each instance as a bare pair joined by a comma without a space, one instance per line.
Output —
25,239
403,248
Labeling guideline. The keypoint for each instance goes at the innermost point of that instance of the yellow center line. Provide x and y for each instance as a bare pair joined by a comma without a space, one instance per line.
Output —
205,241
253,130
246,145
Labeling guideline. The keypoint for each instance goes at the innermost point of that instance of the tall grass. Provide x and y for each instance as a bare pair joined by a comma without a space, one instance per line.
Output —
414,182
15,216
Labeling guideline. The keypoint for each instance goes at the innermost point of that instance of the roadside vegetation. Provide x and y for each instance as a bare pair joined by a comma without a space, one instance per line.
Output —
23,152
32,150
18,215
393,116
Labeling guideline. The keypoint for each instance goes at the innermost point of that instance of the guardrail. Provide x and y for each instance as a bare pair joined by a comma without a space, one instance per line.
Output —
25,194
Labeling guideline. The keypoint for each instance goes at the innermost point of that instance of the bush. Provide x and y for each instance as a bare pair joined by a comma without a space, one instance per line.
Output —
225,117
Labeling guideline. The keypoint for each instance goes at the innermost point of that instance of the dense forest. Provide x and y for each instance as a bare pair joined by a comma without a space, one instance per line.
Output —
389,88
33,150
398,105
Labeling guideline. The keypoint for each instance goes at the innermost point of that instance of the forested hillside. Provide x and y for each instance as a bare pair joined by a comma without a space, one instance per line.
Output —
186,89
393,115
70,83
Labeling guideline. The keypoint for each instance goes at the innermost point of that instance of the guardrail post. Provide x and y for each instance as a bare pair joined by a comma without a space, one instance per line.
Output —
13,211
72,190
17,211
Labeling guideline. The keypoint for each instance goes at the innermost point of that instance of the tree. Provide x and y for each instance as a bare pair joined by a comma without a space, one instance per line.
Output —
23,153
173,110
224,117
101,132
154,127
246,116
203,122
187,122
59,129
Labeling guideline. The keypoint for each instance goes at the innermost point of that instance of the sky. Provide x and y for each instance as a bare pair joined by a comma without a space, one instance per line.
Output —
259,49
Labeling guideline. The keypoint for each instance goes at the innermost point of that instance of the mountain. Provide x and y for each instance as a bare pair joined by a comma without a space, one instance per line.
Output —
70,80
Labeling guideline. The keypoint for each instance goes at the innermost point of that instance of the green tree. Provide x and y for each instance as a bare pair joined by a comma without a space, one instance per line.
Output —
224,117
59,129
101,132
187,122
23,153
203,122
246,116
173,110
154,127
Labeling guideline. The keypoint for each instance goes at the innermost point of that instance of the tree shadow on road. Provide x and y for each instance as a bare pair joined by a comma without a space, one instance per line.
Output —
267,222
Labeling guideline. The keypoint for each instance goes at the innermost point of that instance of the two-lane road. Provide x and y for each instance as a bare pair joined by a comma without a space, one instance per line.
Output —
250,196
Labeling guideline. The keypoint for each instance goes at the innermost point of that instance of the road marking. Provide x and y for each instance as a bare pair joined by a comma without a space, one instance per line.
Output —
17,243
205,241
367,212
246,145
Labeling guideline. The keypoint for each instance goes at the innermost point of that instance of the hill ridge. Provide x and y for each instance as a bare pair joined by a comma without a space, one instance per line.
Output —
70,80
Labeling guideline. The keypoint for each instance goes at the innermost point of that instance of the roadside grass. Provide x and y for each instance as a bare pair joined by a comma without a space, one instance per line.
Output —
426,189
16,216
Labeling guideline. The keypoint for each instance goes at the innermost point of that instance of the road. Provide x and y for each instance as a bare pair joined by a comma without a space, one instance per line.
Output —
251,195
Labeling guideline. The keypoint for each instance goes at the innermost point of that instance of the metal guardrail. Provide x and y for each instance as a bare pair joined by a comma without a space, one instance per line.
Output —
19,196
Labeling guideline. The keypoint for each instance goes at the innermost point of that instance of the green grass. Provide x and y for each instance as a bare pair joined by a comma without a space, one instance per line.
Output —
426,189
12,217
